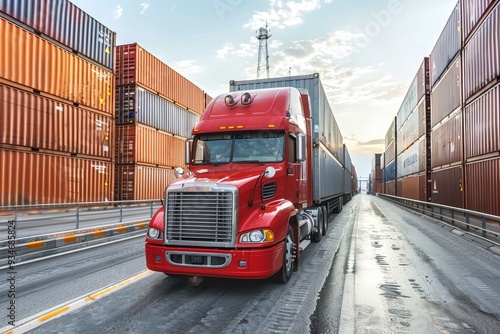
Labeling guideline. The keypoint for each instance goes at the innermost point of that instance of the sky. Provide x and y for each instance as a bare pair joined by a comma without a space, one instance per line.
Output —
367,52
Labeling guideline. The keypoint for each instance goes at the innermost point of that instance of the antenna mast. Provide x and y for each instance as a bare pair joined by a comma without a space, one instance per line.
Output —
263,35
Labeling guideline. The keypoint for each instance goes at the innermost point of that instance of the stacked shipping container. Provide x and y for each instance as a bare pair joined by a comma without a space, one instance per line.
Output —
464,124
389,166
446,115
376,174
156,109
56,95
412,143
481,114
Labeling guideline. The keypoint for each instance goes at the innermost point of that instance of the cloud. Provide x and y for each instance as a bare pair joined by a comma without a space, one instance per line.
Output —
117,13
186,67
144,6
241,51
282,14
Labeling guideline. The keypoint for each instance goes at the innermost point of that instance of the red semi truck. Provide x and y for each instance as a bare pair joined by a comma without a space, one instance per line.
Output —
266,170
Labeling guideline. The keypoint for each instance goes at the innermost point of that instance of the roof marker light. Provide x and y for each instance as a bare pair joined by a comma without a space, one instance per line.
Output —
246,99
229,101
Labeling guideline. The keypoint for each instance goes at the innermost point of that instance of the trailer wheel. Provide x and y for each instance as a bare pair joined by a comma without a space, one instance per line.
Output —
318,235
284,274
325,219
340,202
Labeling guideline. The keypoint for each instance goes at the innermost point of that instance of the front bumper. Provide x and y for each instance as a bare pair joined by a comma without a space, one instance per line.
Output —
256,263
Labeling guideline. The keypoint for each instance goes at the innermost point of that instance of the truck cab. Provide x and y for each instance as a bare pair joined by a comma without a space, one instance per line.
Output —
245,205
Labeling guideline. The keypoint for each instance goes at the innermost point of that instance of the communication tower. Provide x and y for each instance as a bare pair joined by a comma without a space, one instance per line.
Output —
263,35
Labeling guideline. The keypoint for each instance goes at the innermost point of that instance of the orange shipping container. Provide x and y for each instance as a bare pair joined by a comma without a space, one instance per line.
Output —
38,122
412,187
134,65
136,182
36,178
144,145
37,64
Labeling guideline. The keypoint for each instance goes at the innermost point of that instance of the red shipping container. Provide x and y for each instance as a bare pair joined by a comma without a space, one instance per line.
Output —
447,46
473,11
134,65
38,122
483,182
447,186
446,94
482,124
447,143
139,144
36,64
137,182
482,55
36,178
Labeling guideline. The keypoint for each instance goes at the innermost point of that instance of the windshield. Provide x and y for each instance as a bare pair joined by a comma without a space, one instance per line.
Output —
239,147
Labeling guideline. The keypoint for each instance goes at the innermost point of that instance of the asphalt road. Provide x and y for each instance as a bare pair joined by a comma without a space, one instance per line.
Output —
380,269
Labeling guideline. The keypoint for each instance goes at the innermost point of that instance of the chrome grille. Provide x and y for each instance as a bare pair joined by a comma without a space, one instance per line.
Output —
200,218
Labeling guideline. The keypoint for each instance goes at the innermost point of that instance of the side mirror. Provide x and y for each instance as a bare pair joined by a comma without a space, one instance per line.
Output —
301,148
178,172
270,172
187,148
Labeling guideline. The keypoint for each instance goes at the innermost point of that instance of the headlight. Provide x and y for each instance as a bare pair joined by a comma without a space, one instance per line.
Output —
264,235
153,233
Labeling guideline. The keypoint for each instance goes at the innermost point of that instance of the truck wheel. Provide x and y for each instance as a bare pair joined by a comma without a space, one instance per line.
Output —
284,274
338,209
325,219
318,235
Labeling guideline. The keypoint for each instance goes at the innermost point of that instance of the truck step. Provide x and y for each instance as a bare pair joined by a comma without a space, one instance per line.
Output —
303,244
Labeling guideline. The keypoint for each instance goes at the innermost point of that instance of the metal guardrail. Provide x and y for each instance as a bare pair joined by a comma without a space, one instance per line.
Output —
481,224
33,231
75,215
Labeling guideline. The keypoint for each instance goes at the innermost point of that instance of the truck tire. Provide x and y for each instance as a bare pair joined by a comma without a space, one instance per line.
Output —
325,219
284,274
340,202
318,235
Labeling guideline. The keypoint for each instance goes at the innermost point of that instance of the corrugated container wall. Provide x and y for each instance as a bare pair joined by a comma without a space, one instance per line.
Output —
482,124
409,103
447,187
35,121
472,12
390,152
137,105
134,65
35,63
483,182
36,178
447,45
412,187
447,143
136,182
446,95
412,160
65,23
482,55
146,145
391,133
